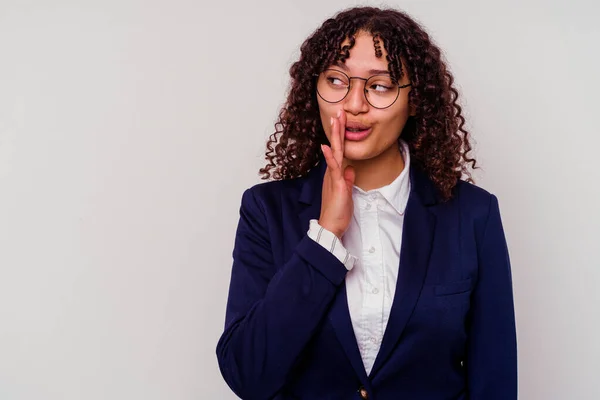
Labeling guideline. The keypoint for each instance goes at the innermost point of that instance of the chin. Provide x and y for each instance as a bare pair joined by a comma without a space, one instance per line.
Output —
359,151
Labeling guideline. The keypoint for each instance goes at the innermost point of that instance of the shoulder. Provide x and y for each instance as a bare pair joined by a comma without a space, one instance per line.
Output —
472,196
268,194
271,193
474,202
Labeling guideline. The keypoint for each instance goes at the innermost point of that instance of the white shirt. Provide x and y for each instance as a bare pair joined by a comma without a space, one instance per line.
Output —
370,250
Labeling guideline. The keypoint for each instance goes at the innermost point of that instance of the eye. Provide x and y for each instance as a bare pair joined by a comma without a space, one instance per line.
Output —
336,81
380,88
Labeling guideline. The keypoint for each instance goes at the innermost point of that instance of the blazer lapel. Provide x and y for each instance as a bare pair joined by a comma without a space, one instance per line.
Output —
417,238
309,207
339,316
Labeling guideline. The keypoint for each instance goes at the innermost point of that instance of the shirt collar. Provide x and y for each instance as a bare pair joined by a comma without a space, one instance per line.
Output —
396,193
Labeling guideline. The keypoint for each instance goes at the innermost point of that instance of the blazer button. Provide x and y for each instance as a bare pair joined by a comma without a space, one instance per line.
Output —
363,392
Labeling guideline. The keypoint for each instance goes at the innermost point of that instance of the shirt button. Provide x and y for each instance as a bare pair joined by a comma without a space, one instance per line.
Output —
375,291
372,249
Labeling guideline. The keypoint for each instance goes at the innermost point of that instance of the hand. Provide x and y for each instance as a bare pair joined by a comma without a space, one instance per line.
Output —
337,205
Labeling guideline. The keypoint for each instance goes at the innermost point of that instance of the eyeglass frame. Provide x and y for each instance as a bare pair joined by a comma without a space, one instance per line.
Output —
364,89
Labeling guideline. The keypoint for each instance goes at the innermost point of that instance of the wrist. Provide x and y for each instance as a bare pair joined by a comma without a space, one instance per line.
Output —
326,226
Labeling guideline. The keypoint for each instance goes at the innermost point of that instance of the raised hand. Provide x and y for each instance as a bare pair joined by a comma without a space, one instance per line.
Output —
337,206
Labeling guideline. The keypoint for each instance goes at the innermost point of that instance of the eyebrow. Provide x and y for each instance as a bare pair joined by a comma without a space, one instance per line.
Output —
372,71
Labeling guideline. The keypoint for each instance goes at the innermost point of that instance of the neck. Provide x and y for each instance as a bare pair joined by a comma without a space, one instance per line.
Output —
379,171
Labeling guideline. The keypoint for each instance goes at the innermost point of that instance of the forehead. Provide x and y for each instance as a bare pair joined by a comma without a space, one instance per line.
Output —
362,55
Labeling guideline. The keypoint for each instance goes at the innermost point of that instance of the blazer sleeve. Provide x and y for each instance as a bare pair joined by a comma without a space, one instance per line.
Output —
272,310
491,361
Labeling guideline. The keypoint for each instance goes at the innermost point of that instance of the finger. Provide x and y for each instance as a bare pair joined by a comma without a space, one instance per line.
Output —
342,130
336,146
332,164
349,176
335,138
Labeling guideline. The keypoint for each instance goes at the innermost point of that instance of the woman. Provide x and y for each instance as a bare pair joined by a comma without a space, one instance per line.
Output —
367,269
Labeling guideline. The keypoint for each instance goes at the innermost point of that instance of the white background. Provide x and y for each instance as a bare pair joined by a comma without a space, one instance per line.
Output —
124,150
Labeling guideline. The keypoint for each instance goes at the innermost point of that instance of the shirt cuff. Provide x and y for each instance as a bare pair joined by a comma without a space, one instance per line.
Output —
331,242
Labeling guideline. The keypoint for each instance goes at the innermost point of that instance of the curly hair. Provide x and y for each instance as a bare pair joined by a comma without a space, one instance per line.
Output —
439,144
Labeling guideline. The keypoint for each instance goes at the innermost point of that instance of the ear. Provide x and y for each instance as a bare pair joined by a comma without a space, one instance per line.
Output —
412,110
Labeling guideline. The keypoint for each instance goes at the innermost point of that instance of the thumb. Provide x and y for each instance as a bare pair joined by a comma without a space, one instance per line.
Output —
349,175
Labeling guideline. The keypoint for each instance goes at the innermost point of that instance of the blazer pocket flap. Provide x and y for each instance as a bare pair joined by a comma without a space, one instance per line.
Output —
453,287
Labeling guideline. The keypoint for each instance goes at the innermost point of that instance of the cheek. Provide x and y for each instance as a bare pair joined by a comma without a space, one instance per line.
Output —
393,123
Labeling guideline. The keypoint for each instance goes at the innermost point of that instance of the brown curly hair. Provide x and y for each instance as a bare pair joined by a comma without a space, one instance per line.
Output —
437,140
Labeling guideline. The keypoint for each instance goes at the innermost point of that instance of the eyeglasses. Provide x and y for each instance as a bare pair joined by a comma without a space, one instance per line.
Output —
380,91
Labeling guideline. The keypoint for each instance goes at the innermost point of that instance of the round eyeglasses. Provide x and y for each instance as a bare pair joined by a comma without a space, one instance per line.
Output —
380,91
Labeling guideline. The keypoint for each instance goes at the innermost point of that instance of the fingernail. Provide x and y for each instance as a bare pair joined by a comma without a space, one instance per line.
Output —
331,121
339,113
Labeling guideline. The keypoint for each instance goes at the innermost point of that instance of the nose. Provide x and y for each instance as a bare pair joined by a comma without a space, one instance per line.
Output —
356,102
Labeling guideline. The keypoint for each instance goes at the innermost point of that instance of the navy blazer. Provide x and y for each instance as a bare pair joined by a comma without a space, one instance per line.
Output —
451,332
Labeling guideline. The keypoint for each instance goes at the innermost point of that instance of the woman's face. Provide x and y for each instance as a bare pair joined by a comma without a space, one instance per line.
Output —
386,124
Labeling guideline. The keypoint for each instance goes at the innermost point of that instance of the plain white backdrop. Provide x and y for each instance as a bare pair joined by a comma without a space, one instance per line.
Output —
129,130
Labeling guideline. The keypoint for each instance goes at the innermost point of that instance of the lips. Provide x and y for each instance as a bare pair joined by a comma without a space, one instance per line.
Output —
357,135
356,126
